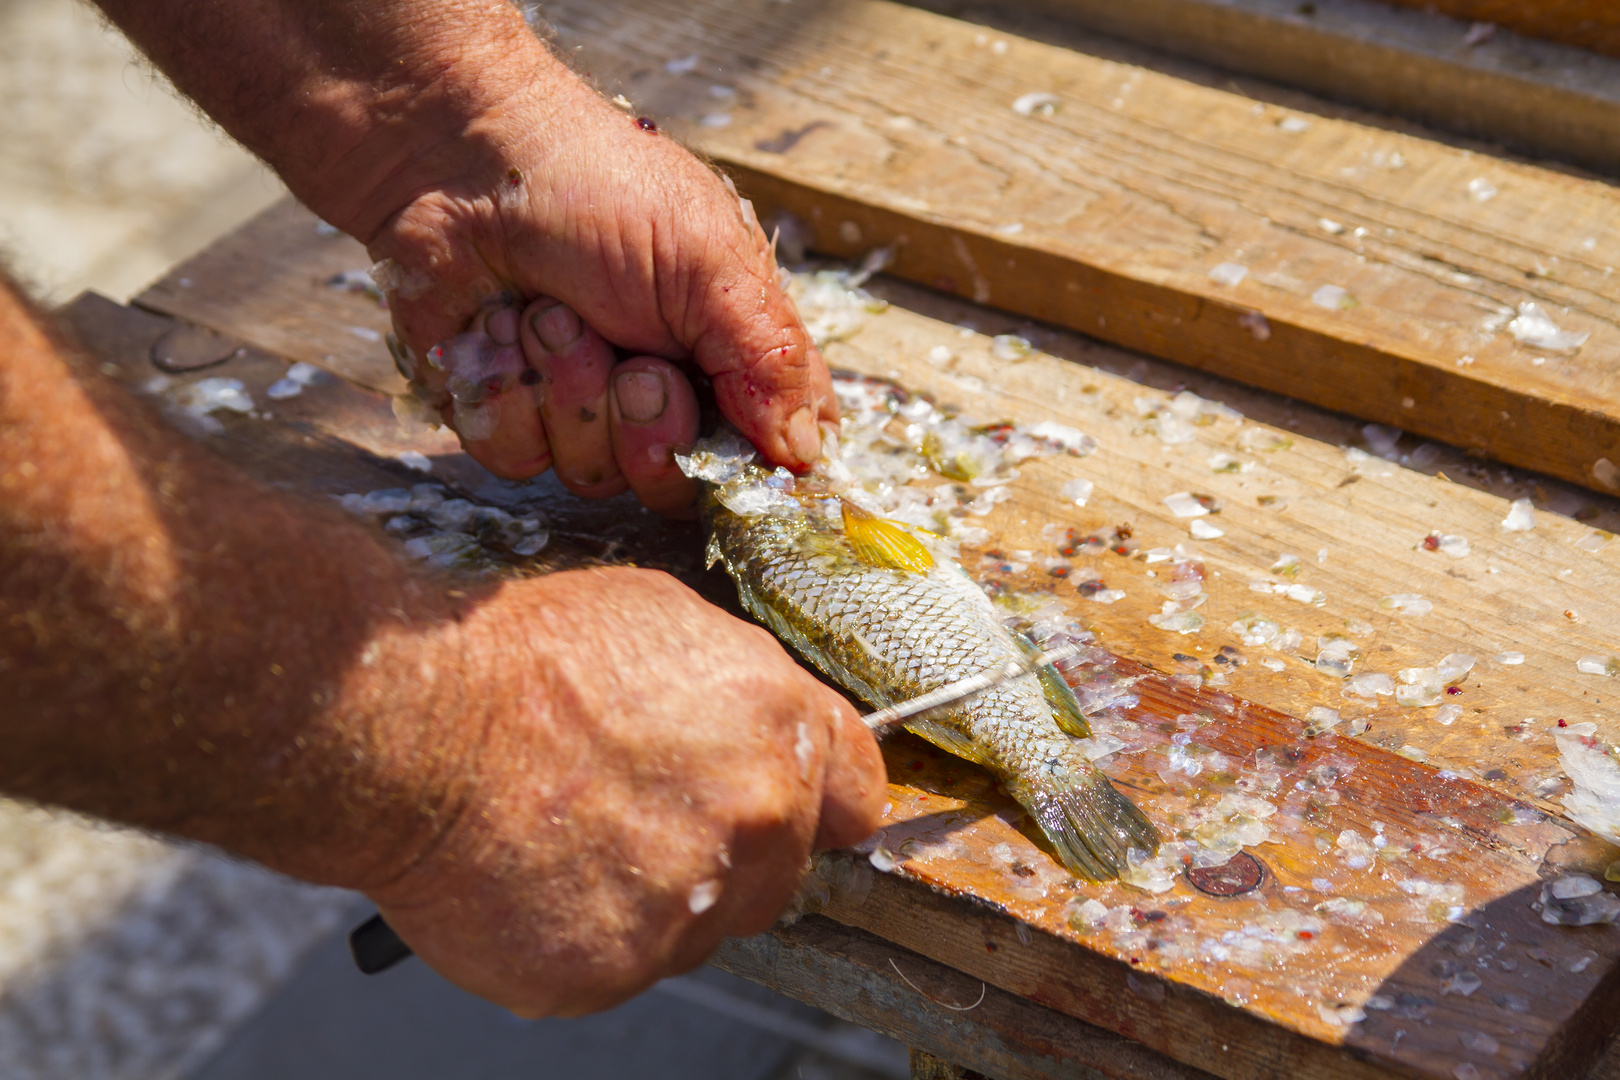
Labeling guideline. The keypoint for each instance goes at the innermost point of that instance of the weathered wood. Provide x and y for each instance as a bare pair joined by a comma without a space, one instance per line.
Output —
1368,516
878,124
1591,24
927,1067
1531,95
871,982
254,284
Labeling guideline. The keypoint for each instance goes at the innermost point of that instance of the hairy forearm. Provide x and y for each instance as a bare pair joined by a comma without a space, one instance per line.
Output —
348,99
183,649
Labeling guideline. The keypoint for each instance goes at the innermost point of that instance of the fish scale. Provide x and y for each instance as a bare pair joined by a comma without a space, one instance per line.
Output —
890,635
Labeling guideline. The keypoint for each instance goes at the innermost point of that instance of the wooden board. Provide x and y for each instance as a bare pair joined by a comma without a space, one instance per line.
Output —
953,835
1530,95
879,124
336,438
244,287
868,981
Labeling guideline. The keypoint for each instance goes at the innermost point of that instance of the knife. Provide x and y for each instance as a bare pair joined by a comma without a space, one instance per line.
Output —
375,947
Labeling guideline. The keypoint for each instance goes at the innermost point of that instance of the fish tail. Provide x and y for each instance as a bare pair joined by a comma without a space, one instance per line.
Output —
1091,825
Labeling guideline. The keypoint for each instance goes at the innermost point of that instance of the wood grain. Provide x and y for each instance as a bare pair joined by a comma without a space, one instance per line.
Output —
254,283
1534,96
868,981
878,124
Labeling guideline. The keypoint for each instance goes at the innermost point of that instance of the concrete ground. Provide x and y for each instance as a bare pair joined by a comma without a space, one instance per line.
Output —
107,177
124,957
331,1022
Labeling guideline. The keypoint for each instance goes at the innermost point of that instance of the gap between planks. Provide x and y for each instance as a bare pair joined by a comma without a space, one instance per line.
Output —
878,124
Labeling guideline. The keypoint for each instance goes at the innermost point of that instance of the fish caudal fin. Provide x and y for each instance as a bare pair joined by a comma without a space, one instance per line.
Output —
1090,824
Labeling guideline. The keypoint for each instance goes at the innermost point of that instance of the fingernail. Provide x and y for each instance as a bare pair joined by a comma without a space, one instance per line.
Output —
557,327
641,396
804,436
502,325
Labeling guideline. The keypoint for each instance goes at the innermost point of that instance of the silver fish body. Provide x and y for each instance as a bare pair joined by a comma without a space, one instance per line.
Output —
889,634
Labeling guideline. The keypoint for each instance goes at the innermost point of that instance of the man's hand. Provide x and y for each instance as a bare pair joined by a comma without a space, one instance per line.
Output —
622,237
641,775
446,137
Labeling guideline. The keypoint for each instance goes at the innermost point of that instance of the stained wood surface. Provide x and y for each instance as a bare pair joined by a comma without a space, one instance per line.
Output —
1237,972
1591,24
254,285
879,124
1531,95
957,1018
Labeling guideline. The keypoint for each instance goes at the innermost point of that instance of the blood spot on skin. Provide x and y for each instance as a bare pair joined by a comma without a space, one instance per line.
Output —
586,414
647,123
514,178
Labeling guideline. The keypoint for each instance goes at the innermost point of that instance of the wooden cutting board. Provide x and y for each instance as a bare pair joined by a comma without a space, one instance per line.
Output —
1387,923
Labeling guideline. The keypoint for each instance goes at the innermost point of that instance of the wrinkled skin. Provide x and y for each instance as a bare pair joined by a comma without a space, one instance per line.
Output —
651,252
592,788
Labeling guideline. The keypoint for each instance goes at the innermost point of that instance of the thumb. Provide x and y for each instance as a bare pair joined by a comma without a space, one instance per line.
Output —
769,378
855,784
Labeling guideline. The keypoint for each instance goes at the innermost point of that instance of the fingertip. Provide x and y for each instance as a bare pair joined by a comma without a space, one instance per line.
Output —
573,363
654,411
856,781
512,443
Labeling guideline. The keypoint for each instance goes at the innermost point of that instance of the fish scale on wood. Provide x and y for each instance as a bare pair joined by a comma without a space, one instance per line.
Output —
897,617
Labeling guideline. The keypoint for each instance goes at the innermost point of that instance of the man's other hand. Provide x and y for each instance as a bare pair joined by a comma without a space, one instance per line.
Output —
646,776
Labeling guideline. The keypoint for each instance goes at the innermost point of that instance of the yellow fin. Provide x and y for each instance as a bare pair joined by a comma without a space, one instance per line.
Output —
884,544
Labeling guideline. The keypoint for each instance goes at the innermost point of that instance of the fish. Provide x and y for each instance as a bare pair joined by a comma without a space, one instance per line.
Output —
884,610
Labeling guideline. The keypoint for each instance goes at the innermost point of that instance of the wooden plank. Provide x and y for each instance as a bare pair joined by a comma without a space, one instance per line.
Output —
1538,97
868,981
1369,542
1591,24
1368,516
927,1067
878,124
252,285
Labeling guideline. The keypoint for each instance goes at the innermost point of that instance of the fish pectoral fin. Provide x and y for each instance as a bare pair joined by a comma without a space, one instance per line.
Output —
1065,706
884,544
949,740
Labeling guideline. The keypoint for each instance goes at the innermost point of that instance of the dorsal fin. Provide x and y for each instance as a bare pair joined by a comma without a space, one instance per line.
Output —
884,544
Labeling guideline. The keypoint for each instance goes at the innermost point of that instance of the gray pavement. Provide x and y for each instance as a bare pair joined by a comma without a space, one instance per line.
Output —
330,1021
